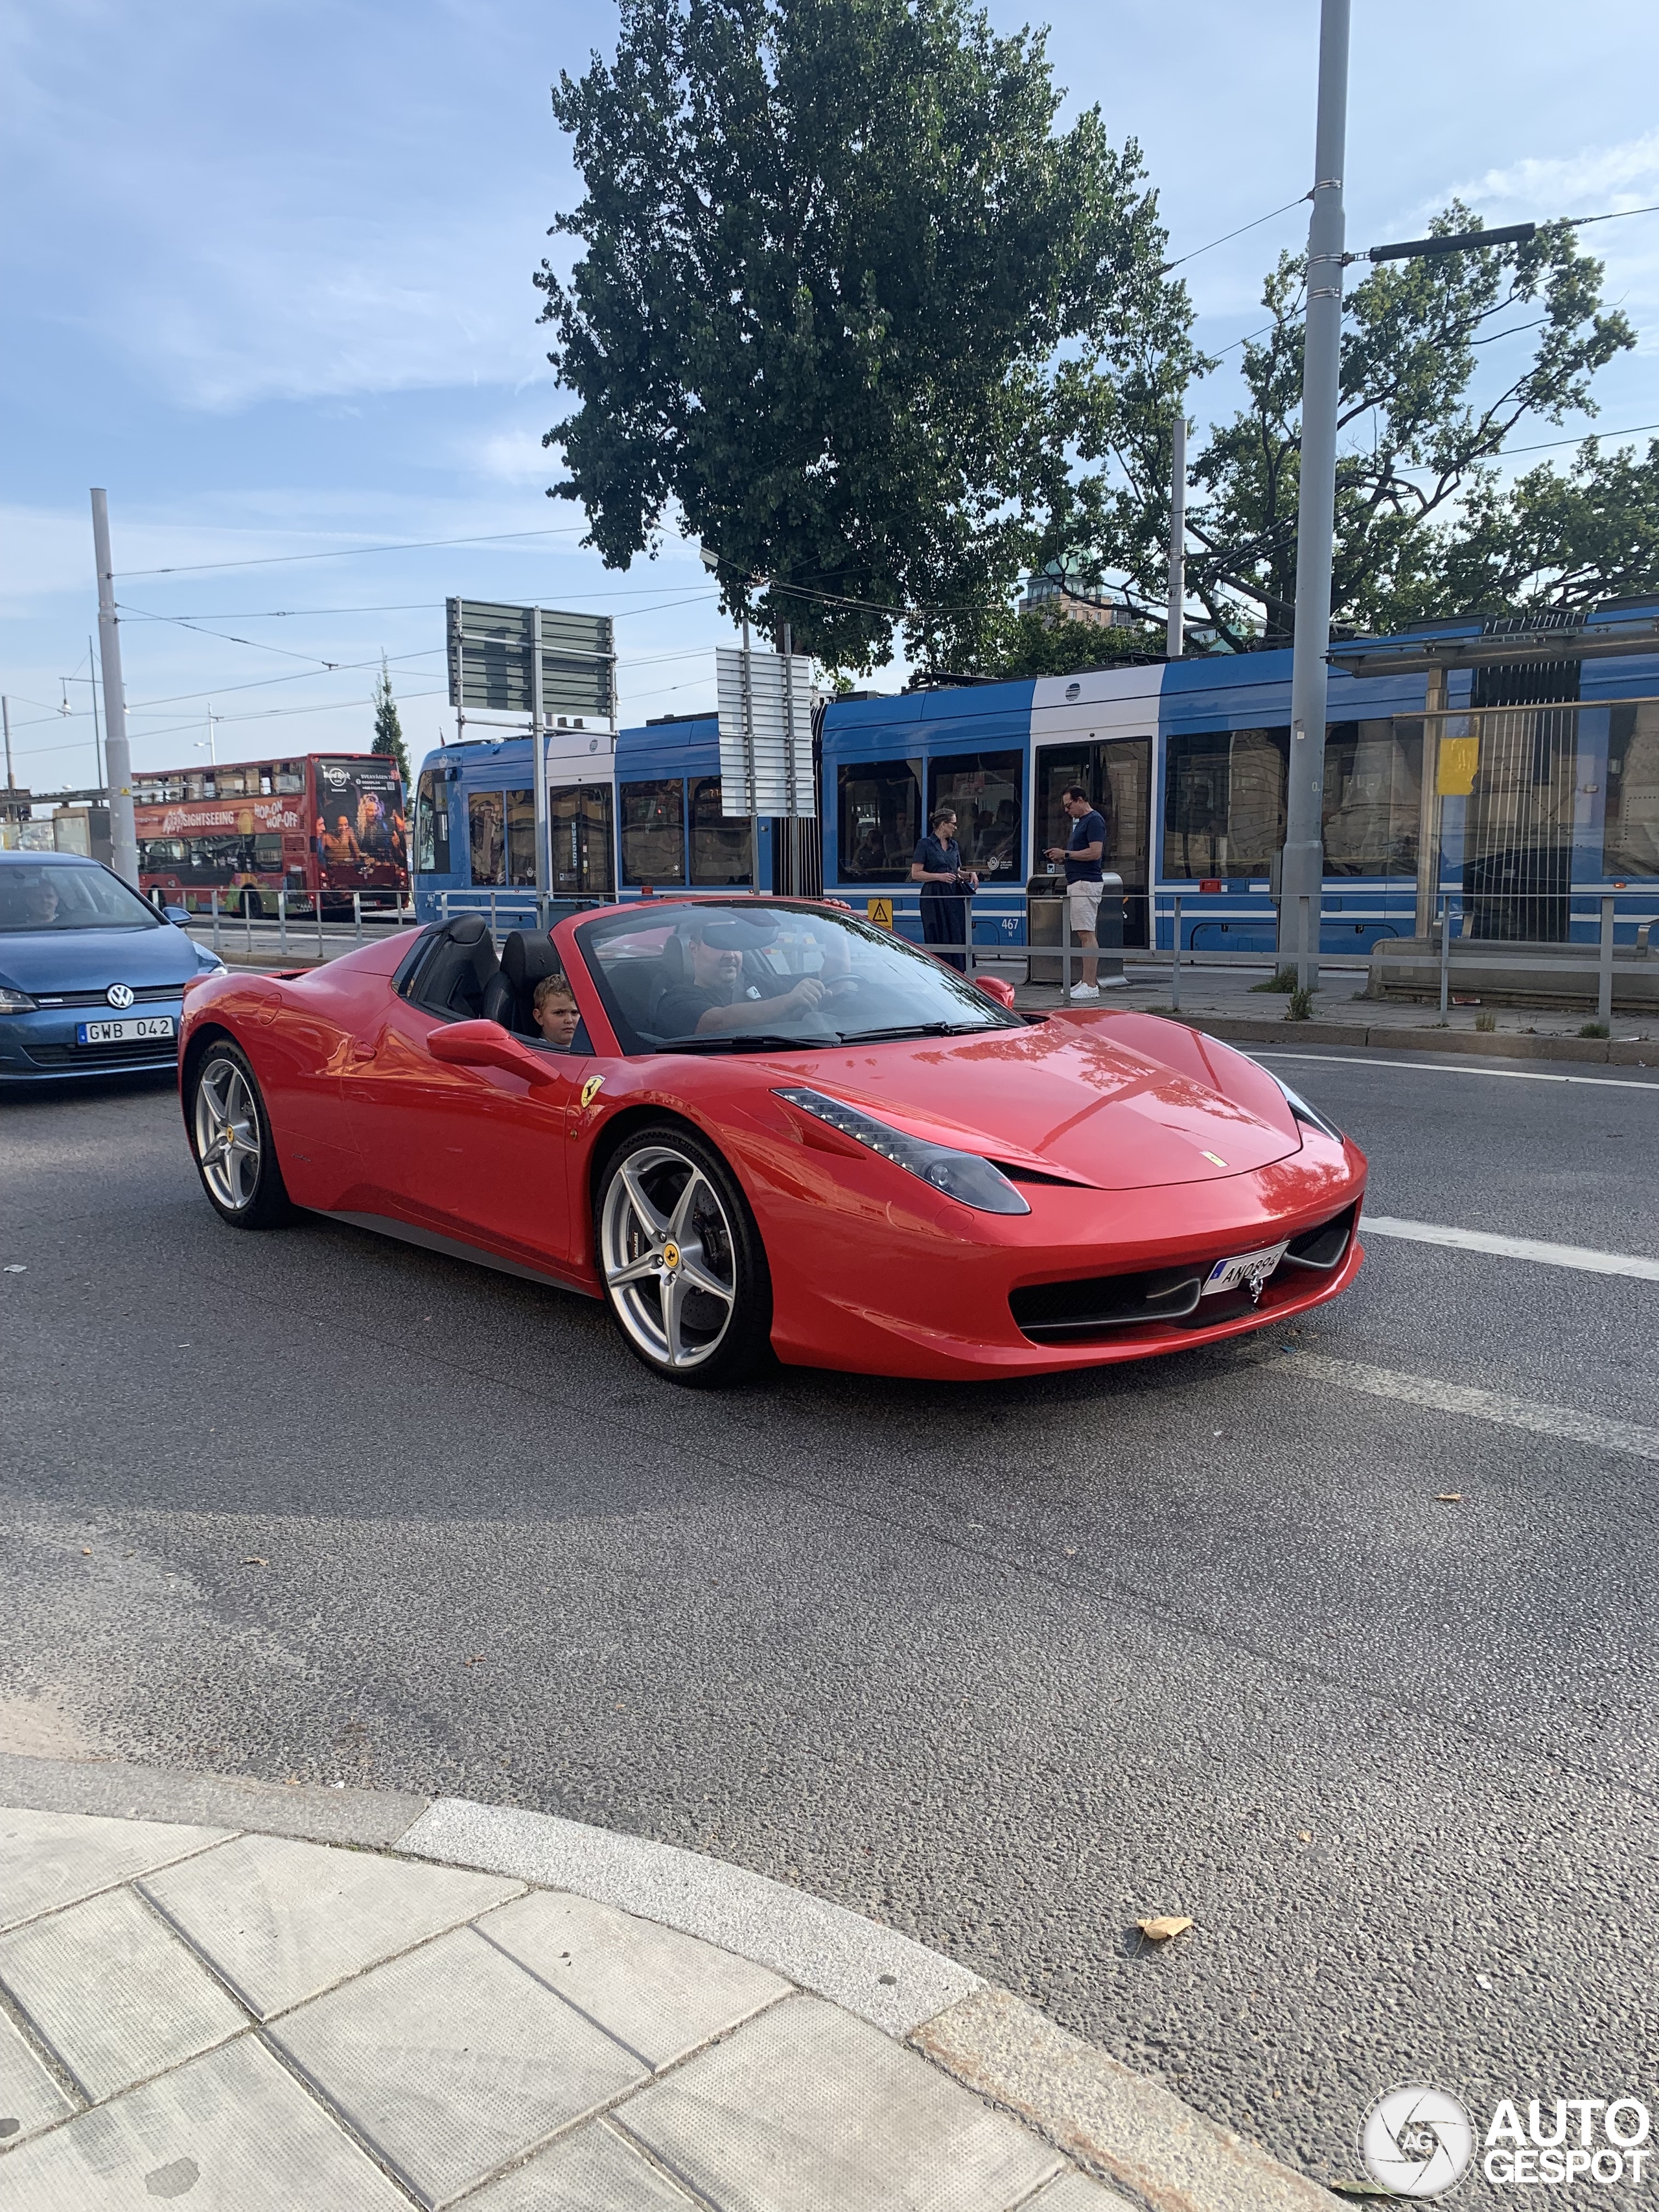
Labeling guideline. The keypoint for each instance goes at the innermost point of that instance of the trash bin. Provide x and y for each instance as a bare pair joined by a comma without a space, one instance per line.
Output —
1045,924
1108,926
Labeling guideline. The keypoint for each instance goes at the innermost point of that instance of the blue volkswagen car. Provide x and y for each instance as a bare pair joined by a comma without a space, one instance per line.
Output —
91,977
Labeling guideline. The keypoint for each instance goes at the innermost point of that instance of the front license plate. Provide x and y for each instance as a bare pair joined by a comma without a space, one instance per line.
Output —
1247,1268
140,1025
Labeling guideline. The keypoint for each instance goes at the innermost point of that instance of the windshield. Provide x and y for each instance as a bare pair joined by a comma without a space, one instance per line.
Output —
749,976
42,896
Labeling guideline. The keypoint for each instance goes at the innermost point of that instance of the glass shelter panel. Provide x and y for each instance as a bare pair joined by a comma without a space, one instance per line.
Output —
1373,797
1631,837
654,832
880,817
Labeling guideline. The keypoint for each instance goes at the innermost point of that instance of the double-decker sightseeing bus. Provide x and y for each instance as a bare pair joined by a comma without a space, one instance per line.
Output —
320,828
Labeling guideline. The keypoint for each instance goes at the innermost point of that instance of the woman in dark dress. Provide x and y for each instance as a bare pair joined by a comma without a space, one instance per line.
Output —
946,887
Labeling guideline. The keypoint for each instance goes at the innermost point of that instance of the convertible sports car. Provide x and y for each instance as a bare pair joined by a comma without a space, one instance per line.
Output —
776,1127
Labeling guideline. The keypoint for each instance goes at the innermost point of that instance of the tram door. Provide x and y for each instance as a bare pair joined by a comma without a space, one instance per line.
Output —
580,829
1117,774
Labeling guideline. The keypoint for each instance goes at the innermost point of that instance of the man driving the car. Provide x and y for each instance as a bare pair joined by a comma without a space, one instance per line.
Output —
718,998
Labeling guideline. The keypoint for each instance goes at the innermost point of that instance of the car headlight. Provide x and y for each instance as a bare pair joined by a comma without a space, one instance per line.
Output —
962,1175
15,1002
1312,1114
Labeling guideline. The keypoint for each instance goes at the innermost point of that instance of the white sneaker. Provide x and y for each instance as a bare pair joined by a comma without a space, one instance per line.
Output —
1083,991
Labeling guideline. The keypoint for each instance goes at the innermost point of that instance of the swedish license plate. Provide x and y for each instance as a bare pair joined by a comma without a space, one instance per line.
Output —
139,1025
1247,1268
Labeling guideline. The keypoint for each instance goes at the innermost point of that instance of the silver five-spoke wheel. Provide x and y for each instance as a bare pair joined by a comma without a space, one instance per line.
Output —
228,1135
666,1248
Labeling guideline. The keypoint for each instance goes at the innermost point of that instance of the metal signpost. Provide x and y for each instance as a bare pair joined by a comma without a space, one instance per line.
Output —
118,753
530,663
766,738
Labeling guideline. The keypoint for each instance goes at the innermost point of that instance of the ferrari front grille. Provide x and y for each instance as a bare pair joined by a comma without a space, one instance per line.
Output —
1052,1313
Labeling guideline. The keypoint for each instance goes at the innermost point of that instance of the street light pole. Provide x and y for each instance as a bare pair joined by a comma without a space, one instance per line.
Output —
1302,868
118,753
1175,641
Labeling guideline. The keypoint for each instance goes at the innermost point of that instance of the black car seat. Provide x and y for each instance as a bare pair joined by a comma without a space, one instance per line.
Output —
455,974
509,997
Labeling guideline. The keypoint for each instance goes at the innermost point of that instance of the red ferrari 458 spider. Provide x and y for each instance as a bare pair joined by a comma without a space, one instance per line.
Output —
769,1126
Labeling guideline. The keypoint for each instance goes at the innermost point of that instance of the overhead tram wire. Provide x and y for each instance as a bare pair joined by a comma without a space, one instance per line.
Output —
345,552
1301,200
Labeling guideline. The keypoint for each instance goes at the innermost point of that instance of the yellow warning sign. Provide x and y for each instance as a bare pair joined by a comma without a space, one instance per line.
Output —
880,911
1459,758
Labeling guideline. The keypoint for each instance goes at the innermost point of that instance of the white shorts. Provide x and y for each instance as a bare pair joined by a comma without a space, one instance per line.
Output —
1083,906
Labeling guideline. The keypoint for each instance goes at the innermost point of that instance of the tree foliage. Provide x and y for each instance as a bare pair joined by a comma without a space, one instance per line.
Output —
845,302
388,724
1415,445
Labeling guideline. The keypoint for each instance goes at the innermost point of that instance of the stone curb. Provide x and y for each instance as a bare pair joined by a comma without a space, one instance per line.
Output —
1152,2148
1616,1052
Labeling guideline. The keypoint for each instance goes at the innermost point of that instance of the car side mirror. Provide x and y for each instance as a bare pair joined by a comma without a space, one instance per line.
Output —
487,1044
180,914
997,987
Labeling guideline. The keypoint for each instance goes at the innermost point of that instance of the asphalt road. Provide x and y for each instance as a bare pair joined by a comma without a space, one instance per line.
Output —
1009,1668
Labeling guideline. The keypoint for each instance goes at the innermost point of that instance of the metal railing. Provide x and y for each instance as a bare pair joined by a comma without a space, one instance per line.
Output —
397,915
1455,948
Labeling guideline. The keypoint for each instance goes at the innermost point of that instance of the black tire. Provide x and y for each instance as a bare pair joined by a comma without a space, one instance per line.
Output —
681,1259
230,1138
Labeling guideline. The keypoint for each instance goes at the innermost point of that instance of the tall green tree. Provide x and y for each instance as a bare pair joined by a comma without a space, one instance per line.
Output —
388,724
845,300
1419,427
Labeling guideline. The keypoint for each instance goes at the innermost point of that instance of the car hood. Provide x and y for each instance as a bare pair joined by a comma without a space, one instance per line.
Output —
93,959
1095,1099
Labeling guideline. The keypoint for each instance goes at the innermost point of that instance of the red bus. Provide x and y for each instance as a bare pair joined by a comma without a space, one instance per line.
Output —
320,827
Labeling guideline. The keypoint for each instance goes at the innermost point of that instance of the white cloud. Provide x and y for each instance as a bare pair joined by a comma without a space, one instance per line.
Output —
1599,180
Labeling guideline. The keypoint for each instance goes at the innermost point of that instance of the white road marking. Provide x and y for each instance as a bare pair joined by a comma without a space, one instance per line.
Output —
1479,1405
1362,1058
1589,1261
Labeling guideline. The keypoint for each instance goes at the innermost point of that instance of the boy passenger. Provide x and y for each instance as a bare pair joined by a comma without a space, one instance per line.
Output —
555,1013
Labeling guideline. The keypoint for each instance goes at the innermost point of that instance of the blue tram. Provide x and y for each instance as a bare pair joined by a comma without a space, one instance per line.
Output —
1543,791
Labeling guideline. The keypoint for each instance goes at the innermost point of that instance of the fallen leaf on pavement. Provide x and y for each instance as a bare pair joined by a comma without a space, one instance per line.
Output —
1166,1925
1448,1498
1304,1835
253,1561
86,1551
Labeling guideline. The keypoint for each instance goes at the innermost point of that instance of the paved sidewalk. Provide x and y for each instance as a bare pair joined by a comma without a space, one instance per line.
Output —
244,2020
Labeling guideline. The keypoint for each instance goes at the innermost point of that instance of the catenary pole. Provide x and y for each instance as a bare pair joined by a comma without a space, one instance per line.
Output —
5,715
1302,868
1176,643
118,754
97,733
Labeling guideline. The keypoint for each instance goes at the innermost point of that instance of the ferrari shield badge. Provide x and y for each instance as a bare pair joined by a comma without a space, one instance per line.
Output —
591,1089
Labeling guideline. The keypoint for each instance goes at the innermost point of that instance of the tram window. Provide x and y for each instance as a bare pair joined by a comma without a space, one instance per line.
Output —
879,805
431,824
579,823
1629,839
984,788
654,832
719,846
1223,801
486,834
521,838
1373,779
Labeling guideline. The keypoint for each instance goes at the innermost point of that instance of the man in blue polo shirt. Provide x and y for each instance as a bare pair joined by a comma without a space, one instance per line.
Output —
1084,853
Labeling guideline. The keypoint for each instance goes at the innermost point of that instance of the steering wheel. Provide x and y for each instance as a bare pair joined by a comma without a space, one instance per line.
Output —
844,987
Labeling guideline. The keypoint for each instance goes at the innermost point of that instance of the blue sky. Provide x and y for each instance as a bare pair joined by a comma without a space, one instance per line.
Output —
268,271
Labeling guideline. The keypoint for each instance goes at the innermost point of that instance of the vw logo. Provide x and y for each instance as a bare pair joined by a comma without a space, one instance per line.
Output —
120,994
